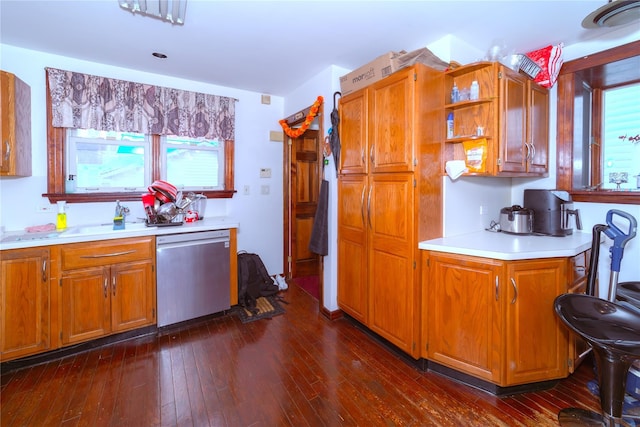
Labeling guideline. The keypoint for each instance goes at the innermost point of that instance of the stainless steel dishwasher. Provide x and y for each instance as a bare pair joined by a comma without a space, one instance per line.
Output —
192,275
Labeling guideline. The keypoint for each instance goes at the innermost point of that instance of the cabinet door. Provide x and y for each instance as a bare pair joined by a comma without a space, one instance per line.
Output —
353,132
464,314
352,246
132,296
392,265
538,129
86,308
536,343
24,295
391,128
513,116
15,109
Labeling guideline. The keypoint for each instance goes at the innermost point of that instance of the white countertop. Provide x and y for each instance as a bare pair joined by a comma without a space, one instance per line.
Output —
91,232
504,246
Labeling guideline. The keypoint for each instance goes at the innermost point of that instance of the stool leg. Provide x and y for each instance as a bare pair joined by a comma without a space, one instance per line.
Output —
612,379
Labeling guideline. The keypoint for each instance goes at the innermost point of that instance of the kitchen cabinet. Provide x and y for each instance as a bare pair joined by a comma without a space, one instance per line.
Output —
107,287
390,197
25,302
494,319
15,110
512,112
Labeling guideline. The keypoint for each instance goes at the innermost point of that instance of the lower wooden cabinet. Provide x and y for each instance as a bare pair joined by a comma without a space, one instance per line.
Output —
495,319
25,302
107,287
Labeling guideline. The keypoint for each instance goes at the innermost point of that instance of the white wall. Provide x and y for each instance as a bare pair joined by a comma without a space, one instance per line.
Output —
325,83
260,216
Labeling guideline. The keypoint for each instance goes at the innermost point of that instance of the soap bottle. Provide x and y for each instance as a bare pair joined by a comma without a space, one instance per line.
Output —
70,185
450,126
474,93
455,94
61,221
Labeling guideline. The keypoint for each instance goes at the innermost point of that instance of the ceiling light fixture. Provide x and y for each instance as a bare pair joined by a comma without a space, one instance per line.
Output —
168,10
613,14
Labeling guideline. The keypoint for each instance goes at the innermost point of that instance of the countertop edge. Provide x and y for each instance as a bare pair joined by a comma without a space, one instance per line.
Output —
491,245
207,224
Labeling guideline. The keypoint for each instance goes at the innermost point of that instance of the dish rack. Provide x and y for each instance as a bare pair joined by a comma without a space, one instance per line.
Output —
527,66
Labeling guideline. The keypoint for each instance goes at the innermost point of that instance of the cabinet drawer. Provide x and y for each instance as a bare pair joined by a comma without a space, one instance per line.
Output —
106,252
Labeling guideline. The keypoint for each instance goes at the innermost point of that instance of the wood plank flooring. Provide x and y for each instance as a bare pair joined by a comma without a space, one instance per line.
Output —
297,369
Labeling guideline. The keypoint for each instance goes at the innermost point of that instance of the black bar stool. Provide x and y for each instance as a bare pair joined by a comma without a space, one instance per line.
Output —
613,331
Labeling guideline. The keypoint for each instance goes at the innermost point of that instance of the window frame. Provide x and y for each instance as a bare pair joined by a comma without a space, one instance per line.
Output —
610,68
57,171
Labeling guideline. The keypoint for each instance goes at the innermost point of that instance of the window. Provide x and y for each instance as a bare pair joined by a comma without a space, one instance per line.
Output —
192,164
109,165
101,161
587,133
621,138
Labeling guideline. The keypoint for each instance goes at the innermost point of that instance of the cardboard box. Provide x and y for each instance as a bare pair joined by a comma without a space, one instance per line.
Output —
369,73
419,56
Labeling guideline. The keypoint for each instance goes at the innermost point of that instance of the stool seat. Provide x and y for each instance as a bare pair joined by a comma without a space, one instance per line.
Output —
613,331
629,292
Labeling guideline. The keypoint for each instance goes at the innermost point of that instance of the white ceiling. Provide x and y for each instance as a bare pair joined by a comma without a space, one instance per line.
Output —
273,47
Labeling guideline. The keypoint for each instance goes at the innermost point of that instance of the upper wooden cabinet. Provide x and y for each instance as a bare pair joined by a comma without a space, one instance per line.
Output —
25,326
15,110
390,198
511,113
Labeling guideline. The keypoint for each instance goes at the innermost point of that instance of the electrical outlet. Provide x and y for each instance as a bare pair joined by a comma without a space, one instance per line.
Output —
247,190
264,189
45,208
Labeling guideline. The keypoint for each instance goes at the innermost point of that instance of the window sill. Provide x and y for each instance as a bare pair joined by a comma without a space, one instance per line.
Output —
607,196
112,197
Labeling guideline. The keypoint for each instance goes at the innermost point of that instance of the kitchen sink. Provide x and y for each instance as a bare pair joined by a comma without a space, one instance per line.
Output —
89,230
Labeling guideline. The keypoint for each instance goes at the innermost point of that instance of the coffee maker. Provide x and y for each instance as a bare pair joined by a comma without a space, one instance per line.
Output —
553,212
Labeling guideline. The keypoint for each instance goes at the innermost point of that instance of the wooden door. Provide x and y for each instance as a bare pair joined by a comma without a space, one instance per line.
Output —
391,127
132,296
354,152
352,246
392,266
536,344
24,296
513,124
304,181
464,321
538,128
86,308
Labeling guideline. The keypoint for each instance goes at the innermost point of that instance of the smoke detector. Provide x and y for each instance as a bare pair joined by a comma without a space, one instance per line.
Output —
613,14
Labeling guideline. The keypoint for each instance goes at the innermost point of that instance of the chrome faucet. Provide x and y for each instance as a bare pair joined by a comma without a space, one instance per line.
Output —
121,210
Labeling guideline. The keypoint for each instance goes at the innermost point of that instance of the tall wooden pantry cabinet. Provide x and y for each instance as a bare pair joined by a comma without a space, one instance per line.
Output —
390,198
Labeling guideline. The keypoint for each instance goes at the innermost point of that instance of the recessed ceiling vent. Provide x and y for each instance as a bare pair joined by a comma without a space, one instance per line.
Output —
613,14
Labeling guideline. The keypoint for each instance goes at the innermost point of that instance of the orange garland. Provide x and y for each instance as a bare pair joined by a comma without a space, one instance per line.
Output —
294,133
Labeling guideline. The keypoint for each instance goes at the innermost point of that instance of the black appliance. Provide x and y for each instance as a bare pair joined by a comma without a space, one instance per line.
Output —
553,212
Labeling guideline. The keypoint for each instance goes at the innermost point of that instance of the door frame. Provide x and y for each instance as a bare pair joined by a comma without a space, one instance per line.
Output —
296,120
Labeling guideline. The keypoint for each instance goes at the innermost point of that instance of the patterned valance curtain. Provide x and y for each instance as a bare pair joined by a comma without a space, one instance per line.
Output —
83,101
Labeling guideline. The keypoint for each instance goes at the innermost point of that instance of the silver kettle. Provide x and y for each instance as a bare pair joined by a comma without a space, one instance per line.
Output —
516,220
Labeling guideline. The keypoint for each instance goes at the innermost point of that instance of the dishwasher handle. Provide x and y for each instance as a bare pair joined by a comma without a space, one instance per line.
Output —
191,243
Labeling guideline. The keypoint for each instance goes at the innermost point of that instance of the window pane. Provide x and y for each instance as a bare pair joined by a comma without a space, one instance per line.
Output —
194,164
103,162
621,133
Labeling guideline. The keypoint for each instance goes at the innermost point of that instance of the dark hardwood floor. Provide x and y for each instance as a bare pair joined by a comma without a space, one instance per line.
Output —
297,369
